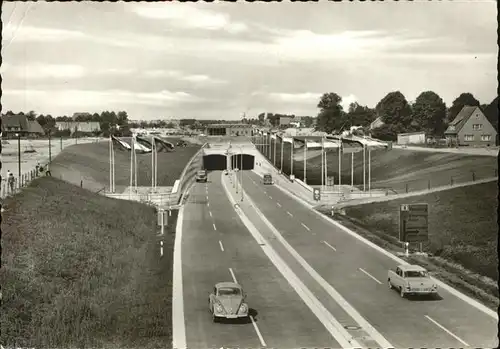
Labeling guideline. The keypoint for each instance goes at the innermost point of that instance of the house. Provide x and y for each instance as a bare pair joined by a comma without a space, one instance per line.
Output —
19,124
285,120
471,128
412,138
376,123
82,126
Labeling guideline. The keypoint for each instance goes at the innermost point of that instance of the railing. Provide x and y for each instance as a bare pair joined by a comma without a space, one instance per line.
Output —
9,189
188,174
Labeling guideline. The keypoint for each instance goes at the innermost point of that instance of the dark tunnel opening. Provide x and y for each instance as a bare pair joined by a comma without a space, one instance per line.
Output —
248,161
214,162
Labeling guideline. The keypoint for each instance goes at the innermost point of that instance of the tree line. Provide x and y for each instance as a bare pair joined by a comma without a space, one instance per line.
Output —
428,113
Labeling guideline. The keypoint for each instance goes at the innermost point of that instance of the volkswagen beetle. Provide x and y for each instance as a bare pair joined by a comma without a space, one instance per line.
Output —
227,301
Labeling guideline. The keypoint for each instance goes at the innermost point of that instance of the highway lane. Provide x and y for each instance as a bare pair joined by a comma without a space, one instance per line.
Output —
214,240
359,273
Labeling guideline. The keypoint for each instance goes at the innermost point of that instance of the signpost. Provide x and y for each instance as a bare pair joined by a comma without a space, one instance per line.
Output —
414,224
317,194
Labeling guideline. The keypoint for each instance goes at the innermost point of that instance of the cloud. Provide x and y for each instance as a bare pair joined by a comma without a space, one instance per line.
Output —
29,33
178,75
99,99
347,100
189,16
47,71
306,97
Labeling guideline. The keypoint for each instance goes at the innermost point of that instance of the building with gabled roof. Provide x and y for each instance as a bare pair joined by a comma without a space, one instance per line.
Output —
471,128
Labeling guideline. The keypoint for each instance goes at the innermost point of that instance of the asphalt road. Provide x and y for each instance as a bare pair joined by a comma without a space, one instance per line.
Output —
359,274
215,246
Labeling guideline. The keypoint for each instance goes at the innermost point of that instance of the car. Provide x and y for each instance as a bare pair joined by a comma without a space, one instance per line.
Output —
267,178
227,301
411,280
201,176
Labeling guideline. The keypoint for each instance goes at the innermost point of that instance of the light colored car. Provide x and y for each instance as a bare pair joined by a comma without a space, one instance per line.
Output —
411,280
227,301
201,176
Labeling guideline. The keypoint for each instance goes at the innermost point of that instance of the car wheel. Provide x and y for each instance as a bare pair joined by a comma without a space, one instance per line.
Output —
401,292
389,284
214,318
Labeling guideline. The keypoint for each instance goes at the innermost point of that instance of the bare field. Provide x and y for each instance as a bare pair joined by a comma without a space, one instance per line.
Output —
83,270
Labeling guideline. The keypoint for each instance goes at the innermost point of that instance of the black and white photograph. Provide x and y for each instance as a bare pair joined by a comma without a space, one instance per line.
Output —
249,174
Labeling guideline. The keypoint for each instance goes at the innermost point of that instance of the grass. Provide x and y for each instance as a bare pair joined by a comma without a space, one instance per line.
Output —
82,270
398,169
463,235
90,163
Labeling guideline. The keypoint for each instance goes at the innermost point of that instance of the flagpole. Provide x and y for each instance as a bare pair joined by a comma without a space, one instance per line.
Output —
352,169
369,170
364,167
113,161
282,148
340,161
322,162
305,160
110,164
291,158
152,163
135,169
131,168
275,139
156,166
326,168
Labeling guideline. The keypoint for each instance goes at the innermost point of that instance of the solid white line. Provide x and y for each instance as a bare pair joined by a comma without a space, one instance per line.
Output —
472,302
338,332
221,246
305,226
291,215
278,204
210,212
214,226
353,313
233,276
178,321
369,275
447,331
327,244
261,339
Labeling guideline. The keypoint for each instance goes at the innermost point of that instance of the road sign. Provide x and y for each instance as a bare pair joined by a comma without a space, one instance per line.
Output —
414,223
317,194
162,217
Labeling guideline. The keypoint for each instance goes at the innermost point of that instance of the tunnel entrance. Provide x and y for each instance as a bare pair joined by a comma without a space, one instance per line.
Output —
214,162
248,161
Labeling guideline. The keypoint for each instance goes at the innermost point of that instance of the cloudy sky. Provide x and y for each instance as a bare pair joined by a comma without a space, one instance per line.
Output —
218,60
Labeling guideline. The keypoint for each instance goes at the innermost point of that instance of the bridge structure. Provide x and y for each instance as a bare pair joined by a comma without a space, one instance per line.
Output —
228,155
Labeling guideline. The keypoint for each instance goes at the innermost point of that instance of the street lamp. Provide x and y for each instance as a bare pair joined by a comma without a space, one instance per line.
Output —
18,135
50,149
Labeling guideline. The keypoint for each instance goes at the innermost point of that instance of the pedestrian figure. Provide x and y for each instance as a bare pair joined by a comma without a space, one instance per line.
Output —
47,172
11,180
37,168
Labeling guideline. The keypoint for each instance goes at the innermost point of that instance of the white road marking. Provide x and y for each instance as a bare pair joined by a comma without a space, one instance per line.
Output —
338,332
327,244
472,302
210,212
305,226
233,276
369,275
178,320
447,331
278,204
291,215
334,294
261,339
208,204
221,246
214,226
161,248
270,197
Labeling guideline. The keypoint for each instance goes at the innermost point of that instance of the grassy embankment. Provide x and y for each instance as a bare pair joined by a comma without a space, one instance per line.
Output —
463,235
90,163
397,169
83,270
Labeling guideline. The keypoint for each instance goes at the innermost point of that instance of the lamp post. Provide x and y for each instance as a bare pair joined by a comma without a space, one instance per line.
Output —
18,135
50,149
241,171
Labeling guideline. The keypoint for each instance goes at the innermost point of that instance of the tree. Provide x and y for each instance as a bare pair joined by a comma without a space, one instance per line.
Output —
394,110
429,113
31,116
261,118
359,115
308,121
274,119
461,101
331,116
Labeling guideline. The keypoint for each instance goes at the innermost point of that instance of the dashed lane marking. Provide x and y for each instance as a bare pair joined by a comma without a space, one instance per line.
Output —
233,276
447,331
305,226
221,246
327,244
370,276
